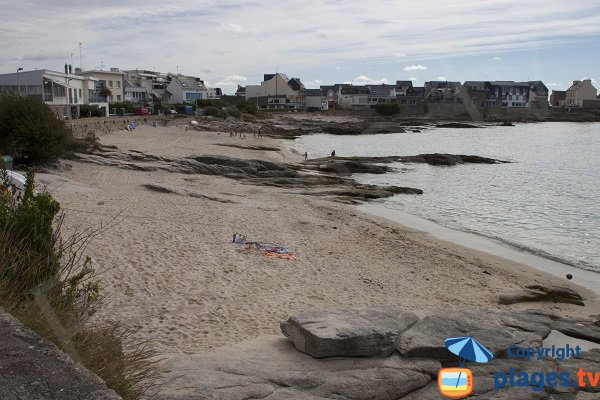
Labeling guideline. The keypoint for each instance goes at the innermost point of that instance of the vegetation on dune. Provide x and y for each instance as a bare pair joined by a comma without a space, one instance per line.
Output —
30,131
47,284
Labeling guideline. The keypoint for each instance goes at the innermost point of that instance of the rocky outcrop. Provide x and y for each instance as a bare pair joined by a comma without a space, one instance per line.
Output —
456,125
557,294
348,345
347,332
271,368
183,192
35,369
345,165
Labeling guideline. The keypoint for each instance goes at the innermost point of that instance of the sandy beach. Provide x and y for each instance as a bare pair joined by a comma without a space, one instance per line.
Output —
174,278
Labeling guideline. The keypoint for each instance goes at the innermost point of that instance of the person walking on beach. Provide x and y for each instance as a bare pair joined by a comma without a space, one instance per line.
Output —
333,154
305,156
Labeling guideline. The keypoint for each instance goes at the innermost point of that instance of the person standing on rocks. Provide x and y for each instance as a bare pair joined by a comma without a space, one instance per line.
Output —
333,154
305,156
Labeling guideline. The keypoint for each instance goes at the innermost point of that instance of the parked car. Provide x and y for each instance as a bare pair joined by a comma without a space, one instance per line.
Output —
141,111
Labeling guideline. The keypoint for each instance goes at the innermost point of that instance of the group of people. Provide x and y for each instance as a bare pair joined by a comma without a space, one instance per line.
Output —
235,131
306,155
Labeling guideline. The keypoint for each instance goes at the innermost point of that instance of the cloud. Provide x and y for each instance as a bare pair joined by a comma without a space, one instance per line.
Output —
367,80
412,79
415,68
232,28
338,67
314,84
441,78
552,84
497,58
230,82
44,55
592,79
324,34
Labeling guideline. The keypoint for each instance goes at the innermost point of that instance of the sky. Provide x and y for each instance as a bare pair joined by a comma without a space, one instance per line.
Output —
227,43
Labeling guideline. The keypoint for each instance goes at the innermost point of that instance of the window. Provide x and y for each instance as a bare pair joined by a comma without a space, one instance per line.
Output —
110,83
80,93
118,97
118,84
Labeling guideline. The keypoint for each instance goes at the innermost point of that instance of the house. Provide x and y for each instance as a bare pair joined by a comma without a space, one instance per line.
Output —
538,95
475,92
314,101
580,91
354,97
557,98
184,89
412,98
114,80
137,94
381,94
402,87
155,82
508,94
332,93
279,84
64,93
214,93
443,92
252,92
241,91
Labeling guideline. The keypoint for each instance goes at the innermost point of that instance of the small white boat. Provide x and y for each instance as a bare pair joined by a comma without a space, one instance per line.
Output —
16,179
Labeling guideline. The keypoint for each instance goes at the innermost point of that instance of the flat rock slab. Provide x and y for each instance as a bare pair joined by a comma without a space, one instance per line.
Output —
34,369
269,367
557,294
364,332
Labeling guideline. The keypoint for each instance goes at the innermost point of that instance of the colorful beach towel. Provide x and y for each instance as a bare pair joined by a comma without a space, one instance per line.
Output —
267,249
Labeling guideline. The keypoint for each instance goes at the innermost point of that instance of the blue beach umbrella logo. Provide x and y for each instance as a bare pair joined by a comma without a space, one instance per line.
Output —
457,383
468,349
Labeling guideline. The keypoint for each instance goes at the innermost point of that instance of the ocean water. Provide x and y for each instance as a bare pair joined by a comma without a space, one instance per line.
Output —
547,201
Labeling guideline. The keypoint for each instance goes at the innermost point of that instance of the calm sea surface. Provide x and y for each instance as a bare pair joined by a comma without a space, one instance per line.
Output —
547,201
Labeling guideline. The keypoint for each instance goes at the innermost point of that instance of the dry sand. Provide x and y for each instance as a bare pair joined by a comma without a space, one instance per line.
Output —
174,277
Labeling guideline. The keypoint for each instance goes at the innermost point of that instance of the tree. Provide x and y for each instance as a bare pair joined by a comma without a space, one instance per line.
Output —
105,92
30,131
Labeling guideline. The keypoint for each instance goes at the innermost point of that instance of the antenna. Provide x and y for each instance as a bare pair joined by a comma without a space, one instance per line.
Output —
80,58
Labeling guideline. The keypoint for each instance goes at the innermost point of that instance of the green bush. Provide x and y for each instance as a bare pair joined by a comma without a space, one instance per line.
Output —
247,107
215,112
30,131
233,112
387,109
90,111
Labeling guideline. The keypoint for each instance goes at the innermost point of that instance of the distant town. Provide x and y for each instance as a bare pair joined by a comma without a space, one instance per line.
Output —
72,93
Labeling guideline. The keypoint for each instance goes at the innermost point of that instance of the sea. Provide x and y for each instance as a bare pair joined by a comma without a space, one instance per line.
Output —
546,201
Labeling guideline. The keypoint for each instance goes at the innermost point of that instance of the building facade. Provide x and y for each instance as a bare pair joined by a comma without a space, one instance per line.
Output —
113,80
580,91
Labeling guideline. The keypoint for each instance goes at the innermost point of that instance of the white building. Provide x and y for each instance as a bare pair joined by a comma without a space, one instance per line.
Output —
64,93
184,89
580,91
313,100
114,80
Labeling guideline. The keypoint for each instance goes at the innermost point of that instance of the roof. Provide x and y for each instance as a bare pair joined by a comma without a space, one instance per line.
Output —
578,84
355,90
190,83
381,89
295,83
509,83
312,92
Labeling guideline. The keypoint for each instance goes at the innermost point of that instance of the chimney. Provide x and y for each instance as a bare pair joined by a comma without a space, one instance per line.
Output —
78,70
66,68
70,69
576,82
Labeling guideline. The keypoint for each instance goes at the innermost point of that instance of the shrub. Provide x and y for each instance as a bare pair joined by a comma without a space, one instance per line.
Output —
233,112
46,283
90,111
247,107
30,131
387,109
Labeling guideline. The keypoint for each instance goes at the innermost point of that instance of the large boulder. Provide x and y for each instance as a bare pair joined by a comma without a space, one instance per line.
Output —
495,330
364,332
269,367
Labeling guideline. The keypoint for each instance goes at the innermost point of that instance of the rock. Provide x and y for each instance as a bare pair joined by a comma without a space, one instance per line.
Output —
349,167
35,369
271,368
182,192
347,332
556,294
506,123
589,361
495,330
456,125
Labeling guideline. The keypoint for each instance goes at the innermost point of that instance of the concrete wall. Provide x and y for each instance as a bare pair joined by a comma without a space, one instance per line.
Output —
276,85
